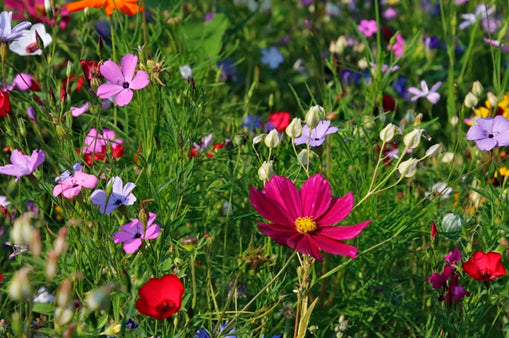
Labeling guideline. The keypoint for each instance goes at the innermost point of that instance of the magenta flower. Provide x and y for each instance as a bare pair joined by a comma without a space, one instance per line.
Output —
302,220
120,195
498,44
23,165
71,186
132,234
454,257
367,27
398,47
430,94
122,82
490,132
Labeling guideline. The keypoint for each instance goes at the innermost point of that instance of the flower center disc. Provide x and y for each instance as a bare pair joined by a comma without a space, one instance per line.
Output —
305,225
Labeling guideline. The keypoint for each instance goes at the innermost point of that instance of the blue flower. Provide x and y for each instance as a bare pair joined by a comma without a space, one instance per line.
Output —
271,57
252,122
202,333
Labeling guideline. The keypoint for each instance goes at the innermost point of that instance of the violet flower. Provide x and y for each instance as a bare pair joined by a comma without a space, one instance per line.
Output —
7,33
120,195
454,257
490,132
122,81
503,48
271,57
23,165
132,233
430,94
315,136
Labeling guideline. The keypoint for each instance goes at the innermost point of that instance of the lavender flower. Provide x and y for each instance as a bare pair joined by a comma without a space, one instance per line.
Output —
490,132
430,94
120,195
23,165
315,136
7,33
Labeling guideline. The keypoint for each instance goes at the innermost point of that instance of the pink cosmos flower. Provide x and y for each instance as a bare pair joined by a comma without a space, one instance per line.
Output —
122,81
71,186
23,165
132,234
303,220
367,27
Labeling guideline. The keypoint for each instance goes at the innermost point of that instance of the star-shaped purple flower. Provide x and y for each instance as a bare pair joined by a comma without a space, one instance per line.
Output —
490,132
316,136
120,195
430,94
122,81
132,233
23,165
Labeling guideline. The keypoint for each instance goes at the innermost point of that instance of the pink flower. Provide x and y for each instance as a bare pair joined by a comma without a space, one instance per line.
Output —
71,186
430,94
122,81
398,46
390,13
77,111
303,220
132,234
367,27
23,165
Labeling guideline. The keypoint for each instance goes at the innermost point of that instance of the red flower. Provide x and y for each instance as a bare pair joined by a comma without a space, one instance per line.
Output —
160,297
433,230
484,267
5,103
280,120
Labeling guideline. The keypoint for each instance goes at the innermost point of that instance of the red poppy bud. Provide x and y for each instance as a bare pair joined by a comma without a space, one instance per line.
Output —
433,230
160,298
5,103
484,267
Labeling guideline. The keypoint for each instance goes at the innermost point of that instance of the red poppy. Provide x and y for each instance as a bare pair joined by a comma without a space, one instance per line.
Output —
484,267
161,297
5,103
280,120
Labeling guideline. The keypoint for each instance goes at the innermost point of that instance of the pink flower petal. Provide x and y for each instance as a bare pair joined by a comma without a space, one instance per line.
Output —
277,232
341,232
306,245
111,72
270,209
71,191
121,236
85,180
132,245
152,232
284,192
108,90
335,247
128,64
124,97
140,80
316,196
339,209
77,111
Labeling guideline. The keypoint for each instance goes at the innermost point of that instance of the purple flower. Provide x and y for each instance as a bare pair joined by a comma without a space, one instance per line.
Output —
120,195
439,280
16,249
204,143
77,111
503,48
271,57
122,81
316,136
490,132
454,257
367,27
202,333
132,234
400,86
431,42
456,292
430,94
23,165
7,33
68,174
252,122
389,14
31,113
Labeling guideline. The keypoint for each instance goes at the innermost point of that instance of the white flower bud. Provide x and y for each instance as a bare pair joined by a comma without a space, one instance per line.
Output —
448,157
186,72
20,288
433,150
492,99
303,156
22,231
454,120
413,138
99,298
63,315
387,134
258,138
314,116
266,171
470,100
272,139
408,168
362,64
338,46
294,129
477,89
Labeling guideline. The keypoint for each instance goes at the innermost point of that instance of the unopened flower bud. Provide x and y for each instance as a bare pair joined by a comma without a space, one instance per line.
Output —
387,134
258,138
20,288
294,129
63,315
266,171
272,139
63,296
60,242
35,243
22,231
189,243
314,116
470,100
61,132
362,64
51,265
451,224
21,127
143,217
98,299
338,46
413,138
408,168
304,155
477,89
433,150
492,99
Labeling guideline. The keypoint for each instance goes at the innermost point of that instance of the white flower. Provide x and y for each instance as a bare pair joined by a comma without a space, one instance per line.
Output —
186,72
27,43
440,189
4,201
43,296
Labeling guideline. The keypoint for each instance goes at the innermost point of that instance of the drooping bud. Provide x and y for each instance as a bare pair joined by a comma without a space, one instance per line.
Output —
387,134
314,116
20,288
22,230
470,100
189,243
492,99
433,150
408,168
477,89
272,139
258,138
266,171
452,224
413,138
294,129
305,156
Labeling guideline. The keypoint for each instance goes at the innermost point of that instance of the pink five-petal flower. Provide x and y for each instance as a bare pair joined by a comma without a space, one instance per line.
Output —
23,165
132,233
430,94
302,220
367,27
71,187
122,81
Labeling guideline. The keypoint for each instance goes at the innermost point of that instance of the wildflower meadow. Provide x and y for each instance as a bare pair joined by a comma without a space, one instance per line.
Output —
254,168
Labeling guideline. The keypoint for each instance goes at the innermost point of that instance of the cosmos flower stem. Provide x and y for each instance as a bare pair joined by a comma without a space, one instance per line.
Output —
301,317
262,291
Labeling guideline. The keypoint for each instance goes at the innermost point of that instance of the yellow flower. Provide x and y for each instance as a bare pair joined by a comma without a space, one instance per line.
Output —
502,108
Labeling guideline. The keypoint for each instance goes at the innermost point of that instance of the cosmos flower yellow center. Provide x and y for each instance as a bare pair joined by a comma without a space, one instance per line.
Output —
305,225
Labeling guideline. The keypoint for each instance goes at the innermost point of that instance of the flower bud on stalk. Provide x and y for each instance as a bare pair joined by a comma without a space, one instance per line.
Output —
492,99
266,171
20,288
60,243
63,297
477,89
35,243
387,134
294,129
314,116
413,138
51,265
408,168
22,231
470,100
272,139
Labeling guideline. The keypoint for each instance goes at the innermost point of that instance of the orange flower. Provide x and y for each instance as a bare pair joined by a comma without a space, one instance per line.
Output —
129,7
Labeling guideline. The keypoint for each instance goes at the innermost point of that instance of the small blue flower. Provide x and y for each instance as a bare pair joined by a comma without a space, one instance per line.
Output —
271,57
252,122
202,333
